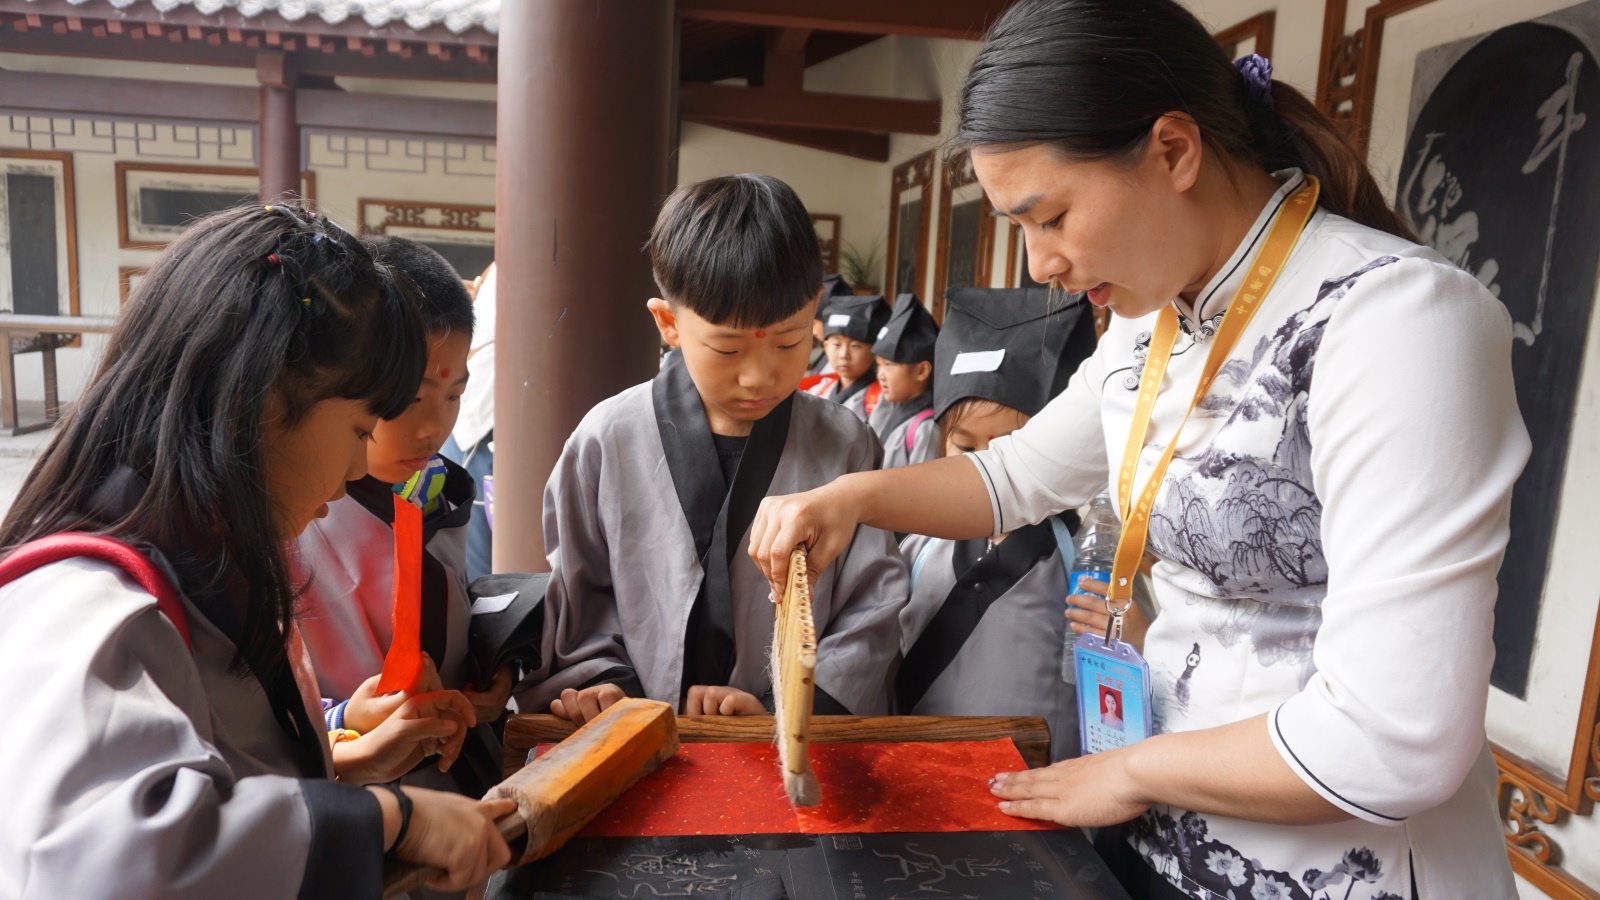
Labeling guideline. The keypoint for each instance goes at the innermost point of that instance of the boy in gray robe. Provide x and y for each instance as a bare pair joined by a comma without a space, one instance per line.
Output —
985,628
904,417
646,514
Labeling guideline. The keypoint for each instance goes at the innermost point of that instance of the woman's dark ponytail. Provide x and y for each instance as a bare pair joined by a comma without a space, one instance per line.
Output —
1091,77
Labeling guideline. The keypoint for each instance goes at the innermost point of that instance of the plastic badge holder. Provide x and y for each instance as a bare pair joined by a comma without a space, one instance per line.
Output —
1113,694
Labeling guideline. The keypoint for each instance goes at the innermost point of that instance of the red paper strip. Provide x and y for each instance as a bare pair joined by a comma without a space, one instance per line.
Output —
403,663
866,789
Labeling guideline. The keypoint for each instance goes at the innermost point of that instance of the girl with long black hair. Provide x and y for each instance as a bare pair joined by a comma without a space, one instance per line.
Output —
163,737
1328,524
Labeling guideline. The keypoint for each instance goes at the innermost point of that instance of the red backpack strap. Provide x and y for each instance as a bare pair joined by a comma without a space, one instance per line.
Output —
73,544
916,422
810,382
874,394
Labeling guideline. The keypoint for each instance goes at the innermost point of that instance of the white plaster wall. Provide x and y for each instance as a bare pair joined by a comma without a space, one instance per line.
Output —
854,189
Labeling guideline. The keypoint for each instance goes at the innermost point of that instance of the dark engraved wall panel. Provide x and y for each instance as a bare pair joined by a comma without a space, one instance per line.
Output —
1499,164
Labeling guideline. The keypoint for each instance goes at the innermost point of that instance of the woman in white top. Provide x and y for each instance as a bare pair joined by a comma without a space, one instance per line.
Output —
1329,532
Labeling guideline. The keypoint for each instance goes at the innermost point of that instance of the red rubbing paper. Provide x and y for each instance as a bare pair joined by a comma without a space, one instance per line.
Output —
403,664
866,789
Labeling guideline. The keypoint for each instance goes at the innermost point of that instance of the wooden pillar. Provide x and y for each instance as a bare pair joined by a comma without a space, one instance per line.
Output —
279,126
585,114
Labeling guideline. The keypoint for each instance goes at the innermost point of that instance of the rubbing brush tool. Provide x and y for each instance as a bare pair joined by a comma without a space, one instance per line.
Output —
559,792
794,669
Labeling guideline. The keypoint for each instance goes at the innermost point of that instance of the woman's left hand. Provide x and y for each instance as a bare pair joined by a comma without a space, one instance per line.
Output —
1086,614
1086,792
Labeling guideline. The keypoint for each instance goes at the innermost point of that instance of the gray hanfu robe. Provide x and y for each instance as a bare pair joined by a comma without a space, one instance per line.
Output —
134,767
985,630
647,553
908,430
346,613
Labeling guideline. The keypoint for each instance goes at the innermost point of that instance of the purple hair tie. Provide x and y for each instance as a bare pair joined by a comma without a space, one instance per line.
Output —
1257,72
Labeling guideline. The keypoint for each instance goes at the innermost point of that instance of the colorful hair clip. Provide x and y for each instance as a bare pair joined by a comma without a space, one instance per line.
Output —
273,259
306,300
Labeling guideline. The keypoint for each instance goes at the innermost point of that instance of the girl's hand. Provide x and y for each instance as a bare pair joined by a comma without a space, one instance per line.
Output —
490,703
824,520
452,833
367,708
424,725
721,700
1086,614
1087,792
579,707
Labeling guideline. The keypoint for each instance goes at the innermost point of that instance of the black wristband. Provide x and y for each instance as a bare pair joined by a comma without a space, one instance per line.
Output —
405,814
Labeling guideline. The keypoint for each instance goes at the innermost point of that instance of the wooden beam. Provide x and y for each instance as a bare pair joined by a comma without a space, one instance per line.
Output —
924,18
90,95
93,95
405,115
839,112
857,144
784,65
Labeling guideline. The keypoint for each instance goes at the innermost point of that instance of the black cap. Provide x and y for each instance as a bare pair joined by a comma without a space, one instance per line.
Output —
1012,346
910,335
857,318
832,286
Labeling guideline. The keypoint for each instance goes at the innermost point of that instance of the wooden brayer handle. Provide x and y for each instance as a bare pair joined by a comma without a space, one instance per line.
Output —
558,793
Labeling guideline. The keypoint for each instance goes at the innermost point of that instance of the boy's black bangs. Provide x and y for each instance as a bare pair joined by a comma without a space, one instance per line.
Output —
738,251
431,282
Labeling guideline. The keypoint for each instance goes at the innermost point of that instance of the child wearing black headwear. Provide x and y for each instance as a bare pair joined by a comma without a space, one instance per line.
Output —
853,324
904,417
984,631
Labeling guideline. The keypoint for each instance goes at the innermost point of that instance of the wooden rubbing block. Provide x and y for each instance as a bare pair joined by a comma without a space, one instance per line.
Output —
1029,733
558,793
562,790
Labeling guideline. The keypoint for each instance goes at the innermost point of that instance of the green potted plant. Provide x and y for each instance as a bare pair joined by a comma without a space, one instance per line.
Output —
861,268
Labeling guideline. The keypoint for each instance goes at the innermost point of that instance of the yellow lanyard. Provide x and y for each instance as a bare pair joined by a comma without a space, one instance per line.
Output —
1258,282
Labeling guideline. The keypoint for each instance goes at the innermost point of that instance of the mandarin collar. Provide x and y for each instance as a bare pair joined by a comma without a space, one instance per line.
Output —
1214,298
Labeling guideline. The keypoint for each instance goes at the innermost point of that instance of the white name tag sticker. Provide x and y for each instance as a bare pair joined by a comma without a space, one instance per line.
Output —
977,361
485,606
838,320
883,331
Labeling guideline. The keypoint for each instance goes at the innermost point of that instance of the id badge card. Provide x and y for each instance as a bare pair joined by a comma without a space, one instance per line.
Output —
1113,694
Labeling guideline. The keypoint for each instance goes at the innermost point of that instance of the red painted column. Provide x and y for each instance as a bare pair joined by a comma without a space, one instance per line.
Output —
585,123
279,127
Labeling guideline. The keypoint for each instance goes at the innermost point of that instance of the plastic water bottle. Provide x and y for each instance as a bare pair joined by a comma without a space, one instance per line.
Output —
1096,550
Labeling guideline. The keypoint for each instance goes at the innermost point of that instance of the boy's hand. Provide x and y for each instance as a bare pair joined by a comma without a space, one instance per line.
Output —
721,700
368,708
580,706
490,703
424,725
1086,614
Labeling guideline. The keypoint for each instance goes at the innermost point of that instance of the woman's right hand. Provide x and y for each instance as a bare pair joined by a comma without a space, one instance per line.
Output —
452,833
824,520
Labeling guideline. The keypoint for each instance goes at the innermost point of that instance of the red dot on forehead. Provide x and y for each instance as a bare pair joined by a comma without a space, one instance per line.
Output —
444,373
761,332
